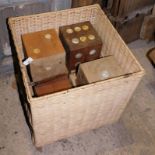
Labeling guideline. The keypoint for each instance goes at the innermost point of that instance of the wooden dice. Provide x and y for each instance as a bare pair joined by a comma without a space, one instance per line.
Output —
55,84
81,42
98,70
47,52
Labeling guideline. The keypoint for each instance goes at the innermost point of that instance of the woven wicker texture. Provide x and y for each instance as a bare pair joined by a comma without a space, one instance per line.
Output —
70,112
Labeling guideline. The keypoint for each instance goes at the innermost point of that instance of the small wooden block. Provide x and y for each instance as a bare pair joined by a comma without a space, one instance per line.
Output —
151,56
46,49
98,70
55,84
81,42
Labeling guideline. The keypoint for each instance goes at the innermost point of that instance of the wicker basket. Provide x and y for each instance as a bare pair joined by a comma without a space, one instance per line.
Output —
79,109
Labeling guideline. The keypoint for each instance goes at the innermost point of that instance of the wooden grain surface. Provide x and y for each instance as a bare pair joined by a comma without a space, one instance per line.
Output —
100,69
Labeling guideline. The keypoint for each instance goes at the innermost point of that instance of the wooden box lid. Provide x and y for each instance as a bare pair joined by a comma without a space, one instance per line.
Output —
42,44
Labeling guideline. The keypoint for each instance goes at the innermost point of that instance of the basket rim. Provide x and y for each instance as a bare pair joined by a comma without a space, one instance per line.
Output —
10,19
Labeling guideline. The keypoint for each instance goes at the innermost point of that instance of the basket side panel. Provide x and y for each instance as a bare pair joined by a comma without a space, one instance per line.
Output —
62,116
114,45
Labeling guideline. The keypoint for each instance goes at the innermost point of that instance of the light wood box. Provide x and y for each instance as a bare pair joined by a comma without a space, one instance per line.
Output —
99,70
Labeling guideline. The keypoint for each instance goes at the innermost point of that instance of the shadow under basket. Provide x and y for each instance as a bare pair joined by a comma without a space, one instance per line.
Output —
70,112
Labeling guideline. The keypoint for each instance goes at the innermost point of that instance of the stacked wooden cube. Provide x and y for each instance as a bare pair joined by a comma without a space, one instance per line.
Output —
81,42
48,55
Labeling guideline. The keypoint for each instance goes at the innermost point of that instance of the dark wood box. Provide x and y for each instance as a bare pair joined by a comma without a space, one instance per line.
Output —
81,42
55,84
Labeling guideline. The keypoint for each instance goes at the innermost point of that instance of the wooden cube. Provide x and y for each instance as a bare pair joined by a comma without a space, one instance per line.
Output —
55,84
98,70
47,51
82,43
